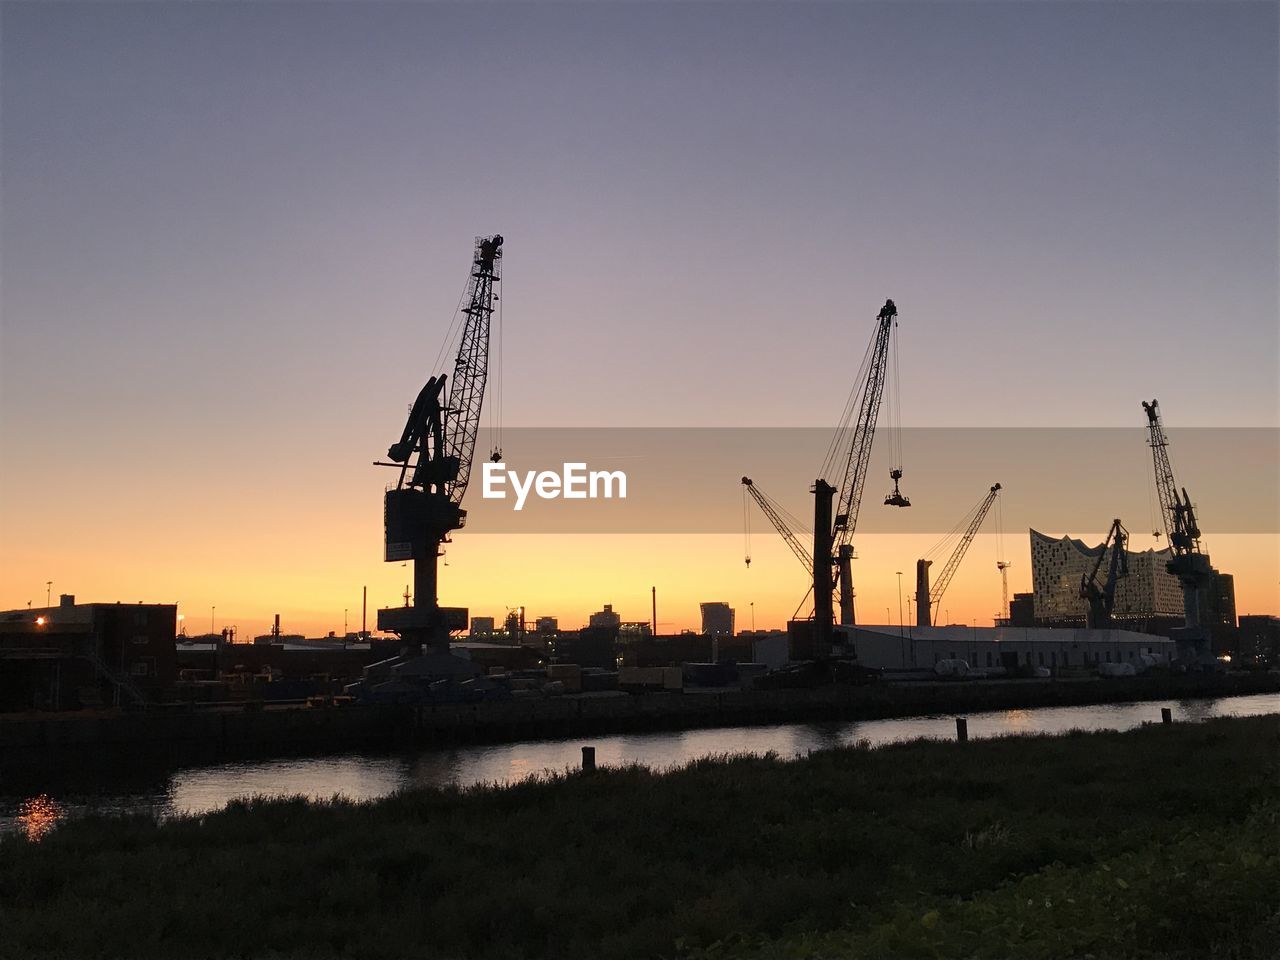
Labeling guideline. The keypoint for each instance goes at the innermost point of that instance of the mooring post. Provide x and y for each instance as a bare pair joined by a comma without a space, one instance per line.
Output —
588,759
962,729
1166,715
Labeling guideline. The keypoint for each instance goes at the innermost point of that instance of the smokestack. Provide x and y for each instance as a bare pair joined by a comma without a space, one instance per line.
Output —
654,591
275,630
364,615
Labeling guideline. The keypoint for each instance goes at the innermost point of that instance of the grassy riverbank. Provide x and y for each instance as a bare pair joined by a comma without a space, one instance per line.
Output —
1161,842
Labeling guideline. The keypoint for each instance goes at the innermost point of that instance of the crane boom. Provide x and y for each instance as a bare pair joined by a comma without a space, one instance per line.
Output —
927,598
770,510
471,368
434,455
868,405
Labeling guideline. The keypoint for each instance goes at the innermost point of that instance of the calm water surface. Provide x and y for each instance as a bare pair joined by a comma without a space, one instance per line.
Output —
203,789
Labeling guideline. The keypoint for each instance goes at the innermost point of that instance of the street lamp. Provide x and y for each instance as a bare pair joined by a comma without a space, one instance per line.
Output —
48,593
212,613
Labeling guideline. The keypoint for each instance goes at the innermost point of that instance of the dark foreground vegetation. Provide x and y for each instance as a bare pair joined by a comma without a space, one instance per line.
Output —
1161,842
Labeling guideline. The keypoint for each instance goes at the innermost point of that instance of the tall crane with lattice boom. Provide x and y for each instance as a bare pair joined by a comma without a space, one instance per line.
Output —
1003,566
929,597
1102,597
833,533
434,455
1188,564
774,513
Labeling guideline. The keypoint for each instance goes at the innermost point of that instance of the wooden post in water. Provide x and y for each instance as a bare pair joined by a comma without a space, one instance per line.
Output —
588,759
962,729
1166,716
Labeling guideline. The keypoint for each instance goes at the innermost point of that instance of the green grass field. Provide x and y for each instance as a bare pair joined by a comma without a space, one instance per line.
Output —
1161,842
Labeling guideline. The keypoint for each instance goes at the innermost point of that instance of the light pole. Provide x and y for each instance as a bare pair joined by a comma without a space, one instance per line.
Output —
48,592
900,603
344,623
212,613
753,616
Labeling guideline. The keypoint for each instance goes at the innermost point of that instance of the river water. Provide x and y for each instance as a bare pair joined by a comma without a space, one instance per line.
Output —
198,790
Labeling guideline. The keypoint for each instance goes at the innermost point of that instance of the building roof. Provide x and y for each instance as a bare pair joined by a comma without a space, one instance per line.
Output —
962,634
1088,551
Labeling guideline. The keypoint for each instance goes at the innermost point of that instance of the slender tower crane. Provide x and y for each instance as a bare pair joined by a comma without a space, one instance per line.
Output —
1188,564
1003,566
926,597
434,455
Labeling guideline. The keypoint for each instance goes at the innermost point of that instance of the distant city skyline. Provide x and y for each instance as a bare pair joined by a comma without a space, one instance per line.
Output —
234,236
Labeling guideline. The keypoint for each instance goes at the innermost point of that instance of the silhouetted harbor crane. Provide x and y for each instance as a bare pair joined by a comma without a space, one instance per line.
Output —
1188,564
829,562
434,455
833,534
1102,597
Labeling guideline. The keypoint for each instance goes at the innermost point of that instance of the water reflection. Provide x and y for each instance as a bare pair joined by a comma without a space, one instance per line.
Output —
200,790
38,815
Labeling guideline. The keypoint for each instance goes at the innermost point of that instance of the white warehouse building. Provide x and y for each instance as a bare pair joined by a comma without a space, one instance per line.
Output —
906,648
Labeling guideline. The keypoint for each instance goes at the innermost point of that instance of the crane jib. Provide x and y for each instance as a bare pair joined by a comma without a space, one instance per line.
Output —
859,456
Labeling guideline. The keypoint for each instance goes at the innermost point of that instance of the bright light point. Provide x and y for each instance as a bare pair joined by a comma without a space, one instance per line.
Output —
40,621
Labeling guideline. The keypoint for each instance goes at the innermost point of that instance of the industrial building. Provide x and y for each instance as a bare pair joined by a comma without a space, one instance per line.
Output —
79,655
1009,648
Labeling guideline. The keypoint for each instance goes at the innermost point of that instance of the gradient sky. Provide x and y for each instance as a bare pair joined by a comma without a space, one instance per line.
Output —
234,235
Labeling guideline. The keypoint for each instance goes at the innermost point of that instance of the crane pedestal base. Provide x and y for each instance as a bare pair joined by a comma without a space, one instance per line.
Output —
423,626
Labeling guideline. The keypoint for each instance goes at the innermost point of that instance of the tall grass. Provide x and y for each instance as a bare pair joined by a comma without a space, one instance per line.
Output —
824,856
